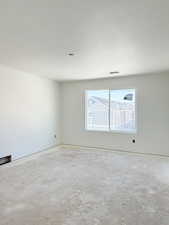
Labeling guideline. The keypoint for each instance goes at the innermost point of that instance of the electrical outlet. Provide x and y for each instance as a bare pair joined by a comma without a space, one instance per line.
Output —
134,141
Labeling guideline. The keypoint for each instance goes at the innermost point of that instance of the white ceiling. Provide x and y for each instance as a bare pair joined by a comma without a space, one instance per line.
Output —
130,36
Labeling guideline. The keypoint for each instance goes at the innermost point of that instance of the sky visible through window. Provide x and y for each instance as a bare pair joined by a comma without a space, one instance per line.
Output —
118,95
99,93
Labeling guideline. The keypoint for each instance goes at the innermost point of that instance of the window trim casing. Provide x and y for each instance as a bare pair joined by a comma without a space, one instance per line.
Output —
134,131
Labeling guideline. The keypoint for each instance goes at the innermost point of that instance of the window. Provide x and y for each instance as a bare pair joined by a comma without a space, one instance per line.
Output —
122,110
97,110
111,110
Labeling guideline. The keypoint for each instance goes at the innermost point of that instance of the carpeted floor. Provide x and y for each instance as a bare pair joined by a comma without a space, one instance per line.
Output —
85,187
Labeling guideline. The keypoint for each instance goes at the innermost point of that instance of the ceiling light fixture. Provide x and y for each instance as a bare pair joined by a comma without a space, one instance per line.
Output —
113,72
71,54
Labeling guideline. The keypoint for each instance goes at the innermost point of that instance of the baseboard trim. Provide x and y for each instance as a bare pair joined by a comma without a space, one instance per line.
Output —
43,151
81,147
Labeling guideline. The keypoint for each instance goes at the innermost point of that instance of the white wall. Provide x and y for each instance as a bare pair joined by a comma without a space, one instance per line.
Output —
153,114
29,113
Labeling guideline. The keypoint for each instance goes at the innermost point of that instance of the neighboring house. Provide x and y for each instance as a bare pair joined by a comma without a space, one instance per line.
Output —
121,113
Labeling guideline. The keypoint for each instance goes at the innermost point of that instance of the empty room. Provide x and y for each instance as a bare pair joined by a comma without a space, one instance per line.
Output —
84,112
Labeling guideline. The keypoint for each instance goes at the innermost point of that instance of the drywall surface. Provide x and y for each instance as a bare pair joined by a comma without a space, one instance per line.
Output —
152,114
29,113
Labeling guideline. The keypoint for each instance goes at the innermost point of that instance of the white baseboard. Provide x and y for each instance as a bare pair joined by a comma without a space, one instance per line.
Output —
77,147
41,152
81,147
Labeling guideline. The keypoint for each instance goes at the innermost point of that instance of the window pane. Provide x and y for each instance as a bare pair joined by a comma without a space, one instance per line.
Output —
97,110
122,110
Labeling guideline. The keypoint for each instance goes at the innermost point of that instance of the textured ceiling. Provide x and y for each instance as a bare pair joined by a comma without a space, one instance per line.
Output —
130,36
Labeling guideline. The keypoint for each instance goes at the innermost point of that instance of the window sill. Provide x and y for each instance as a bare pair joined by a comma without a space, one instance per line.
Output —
114,131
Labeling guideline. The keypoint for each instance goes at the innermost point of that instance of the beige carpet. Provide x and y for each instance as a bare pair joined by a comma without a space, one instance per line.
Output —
85,187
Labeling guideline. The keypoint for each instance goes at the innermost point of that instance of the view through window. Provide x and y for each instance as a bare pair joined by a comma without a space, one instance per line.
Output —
97,110
111,110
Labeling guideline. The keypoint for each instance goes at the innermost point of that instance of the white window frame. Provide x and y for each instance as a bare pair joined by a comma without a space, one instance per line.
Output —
133,131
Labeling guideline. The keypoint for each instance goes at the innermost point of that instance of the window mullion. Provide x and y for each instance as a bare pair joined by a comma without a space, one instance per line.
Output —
109,109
